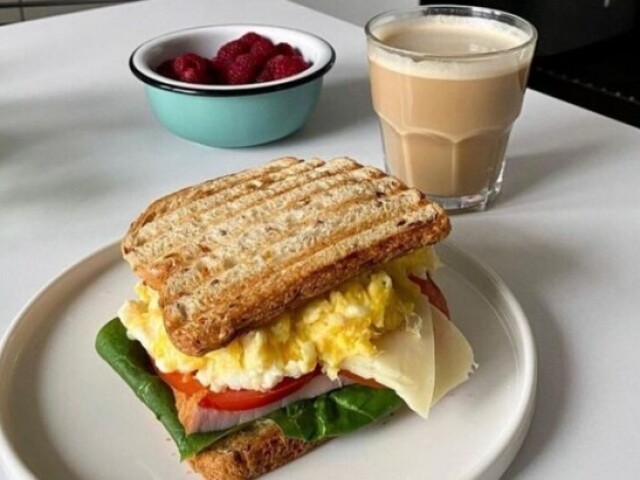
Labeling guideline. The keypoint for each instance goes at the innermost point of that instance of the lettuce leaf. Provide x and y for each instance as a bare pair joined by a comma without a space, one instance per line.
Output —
336,413
332,414
130,360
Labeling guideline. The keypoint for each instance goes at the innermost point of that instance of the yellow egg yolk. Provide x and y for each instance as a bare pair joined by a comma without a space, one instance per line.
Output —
344,322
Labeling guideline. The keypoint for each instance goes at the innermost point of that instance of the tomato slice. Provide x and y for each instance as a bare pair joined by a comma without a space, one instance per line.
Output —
234,400
429,288
369,382
183,382
248,399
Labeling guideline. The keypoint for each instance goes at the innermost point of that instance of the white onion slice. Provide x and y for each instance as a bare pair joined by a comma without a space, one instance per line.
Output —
211,419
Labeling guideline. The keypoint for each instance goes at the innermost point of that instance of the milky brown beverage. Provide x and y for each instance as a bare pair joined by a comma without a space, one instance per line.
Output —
446,111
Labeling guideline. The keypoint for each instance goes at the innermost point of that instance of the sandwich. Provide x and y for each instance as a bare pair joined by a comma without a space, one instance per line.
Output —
283,306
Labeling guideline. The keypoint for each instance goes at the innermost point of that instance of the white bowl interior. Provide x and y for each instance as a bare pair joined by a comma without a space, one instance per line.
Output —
206,41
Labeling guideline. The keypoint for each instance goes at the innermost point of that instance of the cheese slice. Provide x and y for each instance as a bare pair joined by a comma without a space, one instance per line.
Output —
422,368
454,356
406,363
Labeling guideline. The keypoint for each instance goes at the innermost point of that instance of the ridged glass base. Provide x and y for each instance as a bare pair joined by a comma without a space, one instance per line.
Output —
467,203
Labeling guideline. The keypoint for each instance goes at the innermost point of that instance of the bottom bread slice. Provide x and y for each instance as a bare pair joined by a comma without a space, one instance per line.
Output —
253,451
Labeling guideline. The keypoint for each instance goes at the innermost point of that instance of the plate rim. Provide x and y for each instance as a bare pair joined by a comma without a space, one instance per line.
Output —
493,465
508,444
10,461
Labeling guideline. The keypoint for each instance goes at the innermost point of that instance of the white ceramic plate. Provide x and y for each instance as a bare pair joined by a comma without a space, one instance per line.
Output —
65,415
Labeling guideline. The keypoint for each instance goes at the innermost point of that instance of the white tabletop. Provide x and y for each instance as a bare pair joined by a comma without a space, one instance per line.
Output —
80,156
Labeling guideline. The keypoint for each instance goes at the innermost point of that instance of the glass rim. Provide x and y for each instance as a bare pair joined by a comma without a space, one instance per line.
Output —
489,13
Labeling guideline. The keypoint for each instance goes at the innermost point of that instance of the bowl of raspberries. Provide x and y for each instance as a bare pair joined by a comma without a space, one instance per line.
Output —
233,85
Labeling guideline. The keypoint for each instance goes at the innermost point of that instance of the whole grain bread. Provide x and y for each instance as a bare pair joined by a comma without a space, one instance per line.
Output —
253,451
231,254
249,453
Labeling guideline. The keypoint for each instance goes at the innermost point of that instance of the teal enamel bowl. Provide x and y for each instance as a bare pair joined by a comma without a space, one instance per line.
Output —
231,115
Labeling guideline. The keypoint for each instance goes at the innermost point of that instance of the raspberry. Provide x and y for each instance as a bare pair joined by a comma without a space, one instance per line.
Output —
248,59
282,67
268,67
166,69
243,70
218,68
192,76
192,68
250,38
286,49
264,76
263,48
231,50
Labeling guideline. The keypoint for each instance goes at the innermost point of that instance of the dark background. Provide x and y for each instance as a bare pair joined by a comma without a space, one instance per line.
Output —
588,52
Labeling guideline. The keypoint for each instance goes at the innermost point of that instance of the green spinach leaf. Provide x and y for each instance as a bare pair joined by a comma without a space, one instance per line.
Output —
336,413
129,359
332,414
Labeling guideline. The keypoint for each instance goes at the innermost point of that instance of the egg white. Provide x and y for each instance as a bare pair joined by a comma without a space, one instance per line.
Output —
377,325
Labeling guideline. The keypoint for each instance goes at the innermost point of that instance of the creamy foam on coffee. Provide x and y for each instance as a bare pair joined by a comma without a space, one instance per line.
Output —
445,112
448,37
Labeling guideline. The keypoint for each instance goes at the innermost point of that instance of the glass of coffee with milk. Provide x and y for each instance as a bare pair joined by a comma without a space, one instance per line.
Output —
447,84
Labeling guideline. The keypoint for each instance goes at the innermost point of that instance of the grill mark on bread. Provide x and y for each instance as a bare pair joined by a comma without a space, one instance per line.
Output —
158,270
296,185
247,241
183,196
218,198
207,312
162,252
313,254
342,221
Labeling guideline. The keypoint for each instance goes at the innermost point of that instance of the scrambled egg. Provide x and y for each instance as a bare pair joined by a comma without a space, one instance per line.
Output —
343,323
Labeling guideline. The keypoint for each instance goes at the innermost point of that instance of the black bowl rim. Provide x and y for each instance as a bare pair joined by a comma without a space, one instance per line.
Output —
259,88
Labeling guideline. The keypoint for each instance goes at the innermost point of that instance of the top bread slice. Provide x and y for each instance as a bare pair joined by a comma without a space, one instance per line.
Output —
231,254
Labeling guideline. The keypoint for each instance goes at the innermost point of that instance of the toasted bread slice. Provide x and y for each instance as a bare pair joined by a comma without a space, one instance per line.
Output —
248,453
231,254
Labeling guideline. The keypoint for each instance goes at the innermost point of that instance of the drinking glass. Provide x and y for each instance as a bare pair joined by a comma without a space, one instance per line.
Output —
447,84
